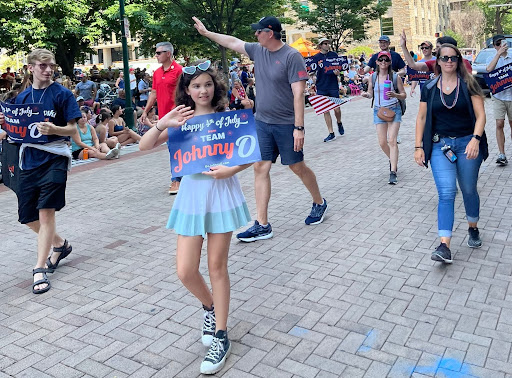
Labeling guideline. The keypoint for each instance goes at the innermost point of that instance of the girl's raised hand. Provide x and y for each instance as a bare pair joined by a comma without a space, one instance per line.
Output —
220,172
176,117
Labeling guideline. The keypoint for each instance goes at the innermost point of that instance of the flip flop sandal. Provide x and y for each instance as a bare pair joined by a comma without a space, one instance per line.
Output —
45,280
65,250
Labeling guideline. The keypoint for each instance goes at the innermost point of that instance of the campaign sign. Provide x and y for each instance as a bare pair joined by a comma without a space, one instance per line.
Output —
21,122
340,63
227,138
313,63
499,79
414,75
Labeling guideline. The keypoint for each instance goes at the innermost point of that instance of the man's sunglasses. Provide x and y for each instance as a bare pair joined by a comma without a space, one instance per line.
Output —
426,47
263,30
447,58
383,60
161,52
190,70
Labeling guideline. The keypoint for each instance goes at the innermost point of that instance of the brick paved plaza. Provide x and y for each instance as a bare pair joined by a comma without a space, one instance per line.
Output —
356,296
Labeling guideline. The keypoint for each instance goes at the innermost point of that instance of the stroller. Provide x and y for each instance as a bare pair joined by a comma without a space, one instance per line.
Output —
106,95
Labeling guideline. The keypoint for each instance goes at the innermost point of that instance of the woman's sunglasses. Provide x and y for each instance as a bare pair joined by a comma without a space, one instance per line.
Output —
190,70
383,60
447,58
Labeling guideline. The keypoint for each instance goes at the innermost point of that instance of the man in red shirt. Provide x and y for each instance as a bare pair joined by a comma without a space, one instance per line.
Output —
430,65
165,81
9,77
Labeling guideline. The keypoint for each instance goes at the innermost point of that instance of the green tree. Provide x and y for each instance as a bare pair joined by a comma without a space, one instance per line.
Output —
498,20
339,20
171,20
459,38
66,27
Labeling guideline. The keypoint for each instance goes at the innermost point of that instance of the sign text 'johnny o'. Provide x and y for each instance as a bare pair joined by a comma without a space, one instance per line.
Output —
21,122
246,145
224,138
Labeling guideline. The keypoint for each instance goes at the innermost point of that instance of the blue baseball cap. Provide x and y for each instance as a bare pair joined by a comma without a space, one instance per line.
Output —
384,38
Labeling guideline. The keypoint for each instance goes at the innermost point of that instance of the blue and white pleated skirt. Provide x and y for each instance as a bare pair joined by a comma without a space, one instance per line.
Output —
207,205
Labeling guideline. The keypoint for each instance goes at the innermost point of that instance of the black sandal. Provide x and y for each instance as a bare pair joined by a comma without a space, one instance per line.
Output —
65,250
45,280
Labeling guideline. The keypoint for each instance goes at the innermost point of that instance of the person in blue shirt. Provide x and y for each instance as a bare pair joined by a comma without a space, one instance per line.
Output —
327,85
43,166
397,63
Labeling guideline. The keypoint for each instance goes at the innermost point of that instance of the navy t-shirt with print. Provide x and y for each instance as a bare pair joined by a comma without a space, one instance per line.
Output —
59,106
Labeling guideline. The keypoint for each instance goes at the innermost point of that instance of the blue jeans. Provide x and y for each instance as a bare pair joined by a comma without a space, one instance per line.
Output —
446,174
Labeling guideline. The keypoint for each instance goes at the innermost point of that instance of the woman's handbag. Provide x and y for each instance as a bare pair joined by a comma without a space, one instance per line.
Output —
386,114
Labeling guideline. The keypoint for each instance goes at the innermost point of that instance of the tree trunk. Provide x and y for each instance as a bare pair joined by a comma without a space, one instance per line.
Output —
225,66
65,55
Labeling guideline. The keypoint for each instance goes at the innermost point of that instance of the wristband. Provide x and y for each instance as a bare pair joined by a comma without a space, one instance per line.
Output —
477,137
158,128
418,148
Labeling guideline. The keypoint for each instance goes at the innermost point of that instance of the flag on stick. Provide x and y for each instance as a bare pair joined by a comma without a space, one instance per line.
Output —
323,104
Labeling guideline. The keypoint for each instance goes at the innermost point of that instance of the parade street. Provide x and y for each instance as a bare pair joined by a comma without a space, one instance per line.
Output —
355,296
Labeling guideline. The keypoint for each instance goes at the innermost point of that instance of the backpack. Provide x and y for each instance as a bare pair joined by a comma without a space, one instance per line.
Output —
402,103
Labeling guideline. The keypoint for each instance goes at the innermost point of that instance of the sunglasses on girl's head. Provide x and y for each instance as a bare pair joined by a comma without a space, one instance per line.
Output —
447,58
383,60
190,70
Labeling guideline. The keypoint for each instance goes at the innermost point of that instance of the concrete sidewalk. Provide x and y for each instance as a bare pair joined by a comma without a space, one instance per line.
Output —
356,296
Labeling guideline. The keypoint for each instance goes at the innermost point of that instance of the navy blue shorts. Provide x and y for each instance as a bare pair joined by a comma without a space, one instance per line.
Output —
277,140
330,92
43,187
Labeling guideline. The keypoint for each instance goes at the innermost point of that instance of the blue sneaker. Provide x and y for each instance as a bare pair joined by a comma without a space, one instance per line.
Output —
256,232
317,213
217,354
341,130
330,138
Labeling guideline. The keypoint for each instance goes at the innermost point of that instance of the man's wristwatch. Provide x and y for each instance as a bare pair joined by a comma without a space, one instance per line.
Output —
477,137
300,128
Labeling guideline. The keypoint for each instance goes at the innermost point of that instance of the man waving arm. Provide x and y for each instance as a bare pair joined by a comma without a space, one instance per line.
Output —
227,41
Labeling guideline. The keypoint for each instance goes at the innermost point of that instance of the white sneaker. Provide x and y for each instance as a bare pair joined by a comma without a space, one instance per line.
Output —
117,152
110,155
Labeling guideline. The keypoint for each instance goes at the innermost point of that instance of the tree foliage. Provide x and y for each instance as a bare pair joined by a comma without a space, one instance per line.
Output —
498,20
66,27
468,24
340,20
459,38
171,20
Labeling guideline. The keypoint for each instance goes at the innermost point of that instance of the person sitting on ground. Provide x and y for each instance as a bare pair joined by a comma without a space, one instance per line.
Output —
238,98
102,121
85,137
251,92
117,127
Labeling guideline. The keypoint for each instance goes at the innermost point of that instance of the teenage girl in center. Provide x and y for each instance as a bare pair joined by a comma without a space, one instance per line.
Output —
209,203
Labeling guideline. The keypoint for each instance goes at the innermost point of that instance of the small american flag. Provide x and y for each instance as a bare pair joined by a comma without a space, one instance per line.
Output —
323,104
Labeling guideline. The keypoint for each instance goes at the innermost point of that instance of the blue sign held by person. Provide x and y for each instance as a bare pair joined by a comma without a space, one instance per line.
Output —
227,138
499,79
21,122
313,63
414,75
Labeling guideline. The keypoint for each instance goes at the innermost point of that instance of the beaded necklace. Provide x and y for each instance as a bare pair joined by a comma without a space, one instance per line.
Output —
456,94
40,98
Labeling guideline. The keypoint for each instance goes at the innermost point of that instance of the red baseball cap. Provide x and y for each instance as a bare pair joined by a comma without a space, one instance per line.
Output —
384,53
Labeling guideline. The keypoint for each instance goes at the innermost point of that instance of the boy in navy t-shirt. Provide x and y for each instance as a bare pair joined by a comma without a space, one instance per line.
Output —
43,170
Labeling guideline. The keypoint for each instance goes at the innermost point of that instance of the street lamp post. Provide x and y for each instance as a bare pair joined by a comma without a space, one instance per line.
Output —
128,111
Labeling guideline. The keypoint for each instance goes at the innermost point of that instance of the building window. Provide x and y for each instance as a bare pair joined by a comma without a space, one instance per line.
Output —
100,56
387,25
